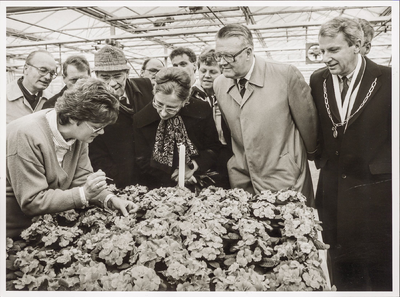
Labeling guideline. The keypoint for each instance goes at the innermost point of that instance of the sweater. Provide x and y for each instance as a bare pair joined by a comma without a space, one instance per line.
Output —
35,182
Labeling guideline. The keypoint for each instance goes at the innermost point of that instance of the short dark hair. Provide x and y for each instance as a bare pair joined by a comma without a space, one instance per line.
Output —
236,30
179,51
207,57
147,61
78,61
173,80
367,28
350,28
88,100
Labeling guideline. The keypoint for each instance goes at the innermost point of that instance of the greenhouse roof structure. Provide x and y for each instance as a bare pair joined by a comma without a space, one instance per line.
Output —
149,29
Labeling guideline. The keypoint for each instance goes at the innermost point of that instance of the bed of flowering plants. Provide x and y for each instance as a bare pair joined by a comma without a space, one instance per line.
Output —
219,240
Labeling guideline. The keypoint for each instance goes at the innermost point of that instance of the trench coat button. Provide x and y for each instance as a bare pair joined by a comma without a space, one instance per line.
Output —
337,153
344,176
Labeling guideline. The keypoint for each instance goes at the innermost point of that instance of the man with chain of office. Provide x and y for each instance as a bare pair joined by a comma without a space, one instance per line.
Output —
354,196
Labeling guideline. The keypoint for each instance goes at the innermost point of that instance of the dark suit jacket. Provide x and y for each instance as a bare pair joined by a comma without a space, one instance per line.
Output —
50,103
354,190
200,126
114,151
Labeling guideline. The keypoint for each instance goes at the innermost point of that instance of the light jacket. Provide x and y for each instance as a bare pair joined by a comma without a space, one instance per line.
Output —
17,106
272,126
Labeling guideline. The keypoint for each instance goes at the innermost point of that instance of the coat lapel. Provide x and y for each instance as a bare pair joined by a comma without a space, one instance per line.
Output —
371,72
233,91
256,79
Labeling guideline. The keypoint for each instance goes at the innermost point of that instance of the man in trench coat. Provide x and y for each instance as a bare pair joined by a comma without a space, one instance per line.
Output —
354,197
273,123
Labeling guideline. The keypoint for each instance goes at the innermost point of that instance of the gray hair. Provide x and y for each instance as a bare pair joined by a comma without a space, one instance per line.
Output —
350,28
236,30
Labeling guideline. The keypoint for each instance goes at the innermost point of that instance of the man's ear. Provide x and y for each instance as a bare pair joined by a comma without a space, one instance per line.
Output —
367,48
357,46
249,51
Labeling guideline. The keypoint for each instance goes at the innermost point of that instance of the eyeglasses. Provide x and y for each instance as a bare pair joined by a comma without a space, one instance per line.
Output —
44,71
228,57
169,110
153,70
95,130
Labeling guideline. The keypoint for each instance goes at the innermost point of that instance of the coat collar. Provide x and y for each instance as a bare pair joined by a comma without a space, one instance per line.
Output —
14,92
372,71
256,80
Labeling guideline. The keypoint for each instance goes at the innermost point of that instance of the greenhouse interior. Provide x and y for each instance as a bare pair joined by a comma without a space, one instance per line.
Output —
198,235
281,33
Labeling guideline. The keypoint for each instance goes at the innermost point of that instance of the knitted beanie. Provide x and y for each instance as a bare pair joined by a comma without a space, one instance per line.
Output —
110,58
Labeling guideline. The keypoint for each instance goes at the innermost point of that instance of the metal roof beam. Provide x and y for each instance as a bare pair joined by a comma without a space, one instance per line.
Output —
161,15
32,9
191,32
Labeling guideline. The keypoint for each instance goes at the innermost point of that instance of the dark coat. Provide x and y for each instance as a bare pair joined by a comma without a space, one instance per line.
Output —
225,152
50,103
114,151
354,195
200,126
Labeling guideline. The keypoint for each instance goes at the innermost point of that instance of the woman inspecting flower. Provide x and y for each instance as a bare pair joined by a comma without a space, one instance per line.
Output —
48,168
174,118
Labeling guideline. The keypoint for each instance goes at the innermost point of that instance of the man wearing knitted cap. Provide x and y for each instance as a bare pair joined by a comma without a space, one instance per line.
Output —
113,152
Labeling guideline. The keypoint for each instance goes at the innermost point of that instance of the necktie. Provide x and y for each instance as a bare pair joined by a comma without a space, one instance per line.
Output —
242,86
345,88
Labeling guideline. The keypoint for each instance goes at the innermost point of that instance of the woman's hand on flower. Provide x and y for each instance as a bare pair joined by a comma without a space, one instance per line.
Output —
124,206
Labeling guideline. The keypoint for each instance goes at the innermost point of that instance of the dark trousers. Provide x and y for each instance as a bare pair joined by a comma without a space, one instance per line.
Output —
361,276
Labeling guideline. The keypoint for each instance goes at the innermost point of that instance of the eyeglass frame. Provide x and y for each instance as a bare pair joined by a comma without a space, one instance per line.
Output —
45,72
218,57
153,71
167,109
97,130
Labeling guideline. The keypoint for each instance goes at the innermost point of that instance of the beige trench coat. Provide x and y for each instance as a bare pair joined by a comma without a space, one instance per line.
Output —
273,126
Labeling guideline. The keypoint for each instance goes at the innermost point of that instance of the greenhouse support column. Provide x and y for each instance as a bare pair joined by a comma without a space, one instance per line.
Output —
59,52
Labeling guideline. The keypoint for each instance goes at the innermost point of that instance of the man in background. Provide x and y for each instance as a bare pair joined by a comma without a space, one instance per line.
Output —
113,152
150,68
209,70
369,33
28,93
186,59
74,68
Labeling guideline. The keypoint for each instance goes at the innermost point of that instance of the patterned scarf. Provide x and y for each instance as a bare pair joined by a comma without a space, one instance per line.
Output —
170,134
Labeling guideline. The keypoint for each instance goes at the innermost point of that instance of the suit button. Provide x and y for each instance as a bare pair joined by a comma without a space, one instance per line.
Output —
344,176
337,153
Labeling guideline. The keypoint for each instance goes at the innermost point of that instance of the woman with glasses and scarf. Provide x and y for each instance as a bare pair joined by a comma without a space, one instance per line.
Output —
48,167
174,118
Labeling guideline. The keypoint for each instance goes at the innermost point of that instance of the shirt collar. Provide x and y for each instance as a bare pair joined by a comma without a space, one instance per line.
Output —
248,75
349,77
51,117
